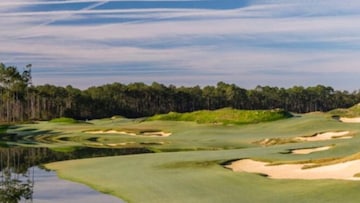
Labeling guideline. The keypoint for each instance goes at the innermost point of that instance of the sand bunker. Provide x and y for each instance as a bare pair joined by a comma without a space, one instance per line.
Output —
147,134
310,150
350,120
120,144
326,136
313,138
157,134
343,171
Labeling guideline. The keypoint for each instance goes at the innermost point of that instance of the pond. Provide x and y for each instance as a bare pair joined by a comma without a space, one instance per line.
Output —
48,188
23,180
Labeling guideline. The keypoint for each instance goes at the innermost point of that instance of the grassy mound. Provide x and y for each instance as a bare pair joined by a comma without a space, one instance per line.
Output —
64,120
351,112
225,116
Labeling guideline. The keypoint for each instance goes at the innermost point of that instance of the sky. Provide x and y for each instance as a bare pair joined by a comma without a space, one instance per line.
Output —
280,43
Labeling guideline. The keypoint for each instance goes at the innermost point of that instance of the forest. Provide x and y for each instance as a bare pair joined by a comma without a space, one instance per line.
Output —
21,101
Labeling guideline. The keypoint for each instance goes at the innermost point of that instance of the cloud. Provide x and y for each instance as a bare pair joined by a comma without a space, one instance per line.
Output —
46,2
272,42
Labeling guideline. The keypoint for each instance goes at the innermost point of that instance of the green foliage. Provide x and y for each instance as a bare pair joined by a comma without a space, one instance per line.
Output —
225,116
64,120
137,100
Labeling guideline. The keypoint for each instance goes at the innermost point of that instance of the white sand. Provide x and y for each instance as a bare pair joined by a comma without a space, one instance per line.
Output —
343,171
310,150
120,144
157,134
350,120
326,136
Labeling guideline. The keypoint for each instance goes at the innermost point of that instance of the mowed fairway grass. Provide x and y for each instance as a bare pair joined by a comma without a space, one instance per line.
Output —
189,164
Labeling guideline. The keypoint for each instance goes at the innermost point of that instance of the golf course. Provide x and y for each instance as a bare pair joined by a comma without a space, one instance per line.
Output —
179,101
225,155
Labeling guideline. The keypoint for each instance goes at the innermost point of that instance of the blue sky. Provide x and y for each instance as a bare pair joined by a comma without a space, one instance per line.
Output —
184,42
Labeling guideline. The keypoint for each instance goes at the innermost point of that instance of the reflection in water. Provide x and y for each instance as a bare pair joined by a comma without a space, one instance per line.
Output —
17,180
49,188
13,189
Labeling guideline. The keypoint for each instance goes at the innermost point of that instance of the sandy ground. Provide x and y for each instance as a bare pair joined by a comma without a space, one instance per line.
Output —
147,134
310,150
343,171
326,136
120,144
350,120
157,134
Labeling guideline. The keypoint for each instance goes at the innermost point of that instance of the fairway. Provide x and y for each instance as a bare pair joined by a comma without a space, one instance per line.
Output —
182,101
190,165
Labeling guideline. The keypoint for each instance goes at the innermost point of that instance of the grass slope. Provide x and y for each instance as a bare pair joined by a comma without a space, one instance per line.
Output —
351,112
197,137
198,176
183,177
225,116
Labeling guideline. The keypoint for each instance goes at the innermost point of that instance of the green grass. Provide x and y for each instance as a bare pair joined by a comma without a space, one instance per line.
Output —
64,120
225,116
188,167
351,112
198,176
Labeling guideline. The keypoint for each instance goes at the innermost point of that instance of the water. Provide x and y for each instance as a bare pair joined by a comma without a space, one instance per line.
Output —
48,188
22,181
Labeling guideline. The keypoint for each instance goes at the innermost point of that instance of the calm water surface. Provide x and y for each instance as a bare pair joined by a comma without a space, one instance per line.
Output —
21,180
48,188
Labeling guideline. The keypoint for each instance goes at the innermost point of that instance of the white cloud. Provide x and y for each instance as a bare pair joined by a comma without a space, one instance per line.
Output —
262,41
52,2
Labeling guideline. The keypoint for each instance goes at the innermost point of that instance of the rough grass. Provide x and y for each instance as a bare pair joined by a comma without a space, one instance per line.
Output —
331,161
357,175
225,116
276,141
351,112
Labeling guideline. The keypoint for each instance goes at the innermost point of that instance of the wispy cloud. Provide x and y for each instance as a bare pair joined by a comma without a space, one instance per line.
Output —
261,42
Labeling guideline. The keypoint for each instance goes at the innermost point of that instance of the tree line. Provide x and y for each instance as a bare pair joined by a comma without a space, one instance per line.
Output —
22,101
